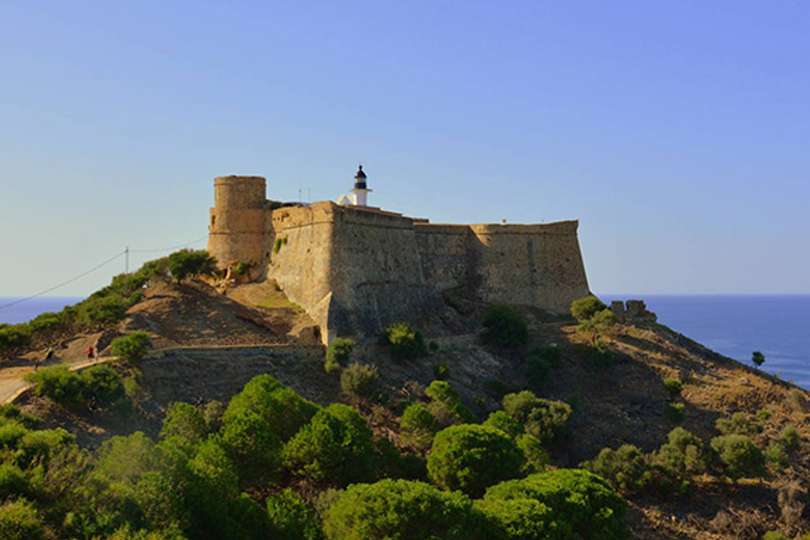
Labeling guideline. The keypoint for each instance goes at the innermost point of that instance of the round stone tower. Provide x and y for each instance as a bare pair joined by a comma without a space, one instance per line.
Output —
237,229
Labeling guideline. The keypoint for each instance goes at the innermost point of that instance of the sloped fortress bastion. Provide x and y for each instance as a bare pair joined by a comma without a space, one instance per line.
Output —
356,269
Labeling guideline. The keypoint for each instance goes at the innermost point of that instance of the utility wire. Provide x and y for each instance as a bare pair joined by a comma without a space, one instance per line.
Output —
71,280
108,261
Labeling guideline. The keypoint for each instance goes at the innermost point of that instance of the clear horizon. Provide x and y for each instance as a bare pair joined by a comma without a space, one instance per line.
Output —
675,132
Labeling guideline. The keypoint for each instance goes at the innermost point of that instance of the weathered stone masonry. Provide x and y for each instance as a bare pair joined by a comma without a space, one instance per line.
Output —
357,269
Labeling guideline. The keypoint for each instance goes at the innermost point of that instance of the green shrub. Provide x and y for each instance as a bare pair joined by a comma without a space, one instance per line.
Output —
418,426
562,504
404,342
764,415
601,321
441,372
677,461
739,424
626,468
739,456
41,445
360,381
101,384
776,456
504,325
291,517
446,404
9,411
14,337
335,447
675,412
188,263
400,509
19,520
585,308
57,383
501,388
241,268
790,437
774,535
13,482
673,386
11,433
471,457
338,354
545,419
538,371
132,347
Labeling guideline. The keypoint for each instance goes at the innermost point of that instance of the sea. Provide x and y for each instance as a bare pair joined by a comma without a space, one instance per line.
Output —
735,326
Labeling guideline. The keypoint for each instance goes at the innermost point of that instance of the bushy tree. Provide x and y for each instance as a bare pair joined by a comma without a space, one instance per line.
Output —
360,381
403,341
545,419
739,456
625,468
582,506
502,421
292,518
471,457
132,347
446,405
338,354
57,383
188,263
418,426
677,461
283,409
253,445
335,447
585,308
185,421
758,358
401,509
19,520
504,325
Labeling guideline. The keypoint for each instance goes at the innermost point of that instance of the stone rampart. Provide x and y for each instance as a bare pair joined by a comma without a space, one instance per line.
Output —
357,269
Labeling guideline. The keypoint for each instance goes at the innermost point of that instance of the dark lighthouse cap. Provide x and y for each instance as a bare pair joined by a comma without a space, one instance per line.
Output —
360,179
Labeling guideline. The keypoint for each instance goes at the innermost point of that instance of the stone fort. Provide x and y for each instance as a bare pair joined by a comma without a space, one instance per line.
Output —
355,268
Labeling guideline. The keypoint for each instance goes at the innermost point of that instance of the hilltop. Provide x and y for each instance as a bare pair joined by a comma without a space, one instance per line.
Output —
209,342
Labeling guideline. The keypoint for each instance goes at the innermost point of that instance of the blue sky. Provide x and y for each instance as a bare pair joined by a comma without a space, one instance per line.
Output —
675,131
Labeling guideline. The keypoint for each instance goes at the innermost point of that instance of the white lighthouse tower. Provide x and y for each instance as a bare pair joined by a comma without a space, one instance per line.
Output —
359,192
360,188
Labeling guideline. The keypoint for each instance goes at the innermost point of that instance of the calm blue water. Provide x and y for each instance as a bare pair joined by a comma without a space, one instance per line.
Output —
29,309
736,326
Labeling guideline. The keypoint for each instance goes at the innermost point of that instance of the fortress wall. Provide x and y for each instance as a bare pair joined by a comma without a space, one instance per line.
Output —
538,265
445,253
378,276
302,266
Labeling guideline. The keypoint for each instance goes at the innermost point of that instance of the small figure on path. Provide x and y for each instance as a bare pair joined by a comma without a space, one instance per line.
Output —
90,353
